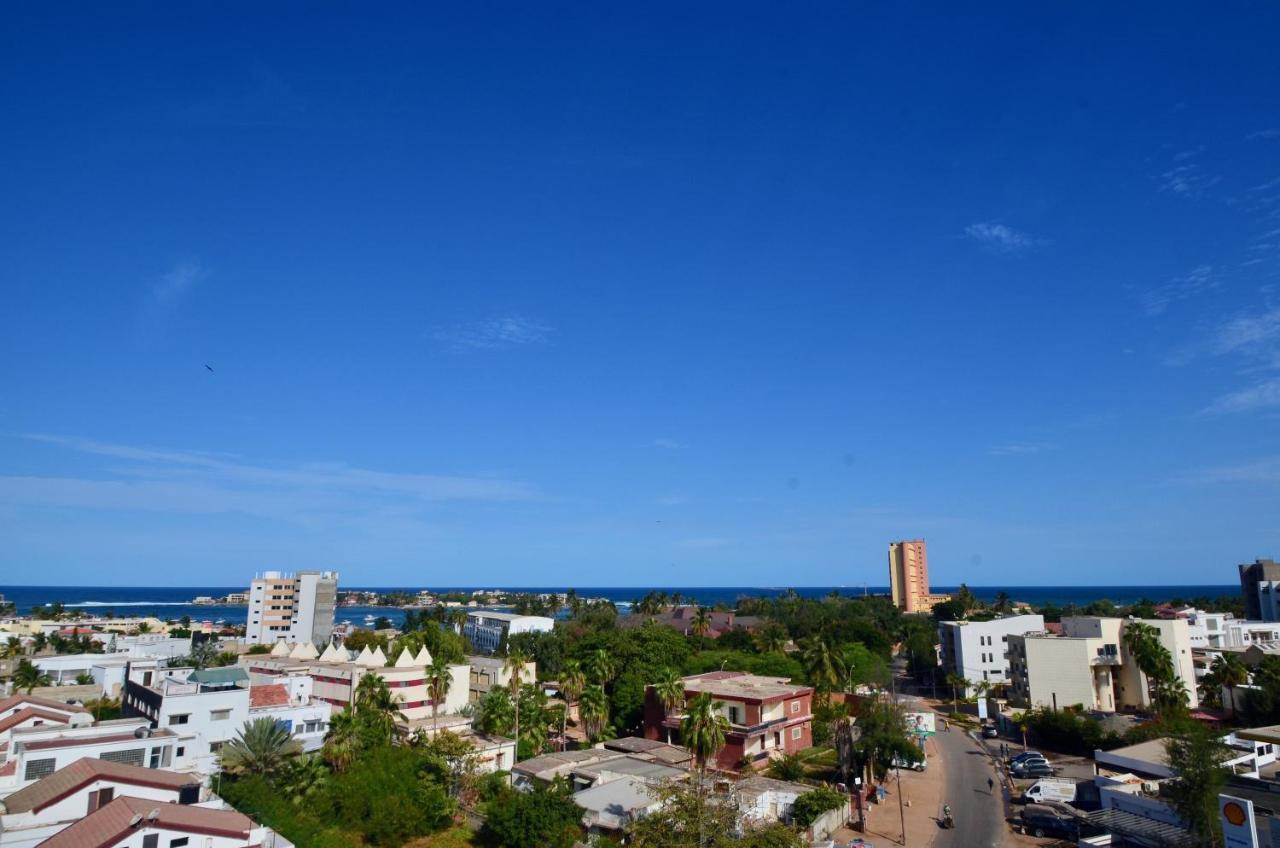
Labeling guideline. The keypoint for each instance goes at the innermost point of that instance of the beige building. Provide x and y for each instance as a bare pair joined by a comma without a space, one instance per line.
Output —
909,577
293,607
1089,665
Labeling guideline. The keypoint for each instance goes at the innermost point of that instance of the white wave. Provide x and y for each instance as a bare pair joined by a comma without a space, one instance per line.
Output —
130,604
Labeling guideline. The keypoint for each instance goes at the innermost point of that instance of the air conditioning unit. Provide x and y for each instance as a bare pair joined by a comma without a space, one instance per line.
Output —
1151,787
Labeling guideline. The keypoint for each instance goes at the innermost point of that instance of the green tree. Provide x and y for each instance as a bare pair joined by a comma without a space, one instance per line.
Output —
704,728
439,679
669,690
304,779
789,767
377,711
341,742
28,676
1196,755
958,683
593,709
514,666
103,709
1164,688
384,798
688,817
883,737
545,816
261,747
601,667
84,679
1229,671
572,681
821,664
701,622
772,638
809,806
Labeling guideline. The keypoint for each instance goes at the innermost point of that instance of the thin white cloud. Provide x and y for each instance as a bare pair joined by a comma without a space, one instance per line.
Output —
1264,470
1264,135
1187,180
192,482
1000,237
1249,334
503,331
177,282
669,444
1021,448
1262,395
1155,301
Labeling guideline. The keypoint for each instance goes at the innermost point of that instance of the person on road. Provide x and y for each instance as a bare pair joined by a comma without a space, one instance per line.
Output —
991,786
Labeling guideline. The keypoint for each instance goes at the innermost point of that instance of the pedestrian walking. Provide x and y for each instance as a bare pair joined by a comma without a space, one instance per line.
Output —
991,786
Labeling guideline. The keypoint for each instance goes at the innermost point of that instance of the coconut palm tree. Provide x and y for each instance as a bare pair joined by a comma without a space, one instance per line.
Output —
1229,671
772,639
958,683
593,709
439,678
377,706
704,728
670,692
1002,602
820,664
305,778
572,681
11,648
601,667
38,642
340,743
701,622
516,661
28,676
262,747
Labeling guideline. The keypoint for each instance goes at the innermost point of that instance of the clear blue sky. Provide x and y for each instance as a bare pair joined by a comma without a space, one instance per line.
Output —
683,294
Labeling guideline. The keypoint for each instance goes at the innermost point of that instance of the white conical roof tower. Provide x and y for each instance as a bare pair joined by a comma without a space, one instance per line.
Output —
405,660
366,658
303,651
379,658
331,654
423,658
280,649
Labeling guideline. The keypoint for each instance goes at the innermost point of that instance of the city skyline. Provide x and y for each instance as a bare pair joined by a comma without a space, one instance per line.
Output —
734,296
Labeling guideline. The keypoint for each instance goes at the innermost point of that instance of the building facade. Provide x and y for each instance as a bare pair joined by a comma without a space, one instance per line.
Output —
768,716
978,650
293,607
1090,666
1260,586
909,577
487,630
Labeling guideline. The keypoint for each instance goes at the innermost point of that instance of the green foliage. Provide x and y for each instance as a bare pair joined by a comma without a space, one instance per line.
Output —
883,737
255,650
811,805
257,798
1195,756
261,747
546,649
691,816
788,767
704,729
28,676
382,797
361,639
545,816
770,664
1068,731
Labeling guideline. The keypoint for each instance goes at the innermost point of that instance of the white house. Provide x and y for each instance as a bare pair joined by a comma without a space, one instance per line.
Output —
976,650
129,822
486,630
290,704
38,811
208,706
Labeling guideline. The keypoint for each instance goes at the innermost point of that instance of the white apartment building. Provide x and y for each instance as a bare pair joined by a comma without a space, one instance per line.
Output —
208,708
977,650
293,607
1223,630
1089,665
486,630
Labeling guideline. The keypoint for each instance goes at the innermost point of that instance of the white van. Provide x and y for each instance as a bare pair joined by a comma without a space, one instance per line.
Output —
1050,789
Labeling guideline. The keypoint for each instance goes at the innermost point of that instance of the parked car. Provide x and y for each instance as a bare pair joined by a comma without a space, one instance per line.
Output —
1039,820
1034,769
1024,755
913,764
989,731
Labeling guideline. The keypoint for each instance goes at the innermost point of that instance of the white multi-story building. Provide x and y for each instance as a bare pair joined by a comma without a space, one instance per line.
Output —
1223,630
976,650
292,607
486,630
206,707
36,752
1089,665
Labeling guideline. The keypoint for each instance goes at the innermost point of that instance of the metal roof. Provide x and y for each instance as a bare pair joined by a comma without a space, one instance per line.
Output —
1140,827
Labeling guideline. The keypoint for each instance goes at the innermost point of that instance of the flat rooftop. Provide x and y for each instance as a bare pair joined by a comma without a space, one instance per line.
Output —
740,686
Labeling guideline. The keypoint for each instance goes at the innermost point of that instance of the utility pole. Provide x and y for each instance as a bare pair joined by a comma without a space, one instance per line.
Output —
902,815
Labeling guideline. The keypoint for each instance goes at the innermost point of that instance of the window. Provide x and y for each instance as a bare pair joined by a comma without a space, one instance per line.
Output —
151,840
181,750
180,719
131,757
101,798
179,842
796,732
219,715
215,747
795,706
37,769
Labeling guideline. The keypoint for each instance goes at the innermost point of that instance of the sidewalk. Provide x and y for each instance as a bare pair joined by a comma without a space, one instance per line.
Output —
921,806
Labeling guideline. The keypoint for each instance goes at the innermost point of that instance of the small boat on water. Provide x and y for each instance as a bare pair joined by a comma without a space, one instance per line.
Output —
368,619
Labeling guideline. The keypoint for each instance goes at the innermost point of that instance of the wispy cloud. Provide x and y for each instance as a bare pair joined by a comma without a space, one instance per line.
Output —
1185,178
503,331
1264,135
1001,238
1255,335
161,480
1155,301
669,444
1021,448
1262,395
1264,470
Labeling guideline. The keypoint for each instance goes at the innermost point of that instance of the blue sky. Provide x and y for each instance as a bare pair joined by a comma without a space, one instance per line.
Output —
733,294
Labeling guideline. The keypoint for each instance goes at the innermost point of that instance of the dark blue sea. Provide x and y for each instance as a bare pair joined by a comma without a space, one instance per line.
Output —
174,601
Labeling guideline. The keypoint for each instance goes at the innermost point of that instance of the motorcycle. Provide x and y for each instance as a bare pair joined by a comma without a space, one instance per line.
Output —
947,821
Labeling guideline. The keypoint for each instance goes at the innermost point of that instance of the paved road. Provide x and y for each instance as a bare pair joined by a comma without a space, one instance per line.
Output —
979,815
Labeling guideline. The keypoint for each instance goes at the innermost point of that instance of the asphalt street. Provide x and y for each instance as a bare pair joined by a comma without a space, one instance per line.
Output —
978,812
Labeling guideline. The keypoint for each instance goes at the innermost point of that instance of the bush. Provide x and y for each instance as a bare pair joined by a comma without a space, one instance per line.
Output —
811,805
545,817
383,797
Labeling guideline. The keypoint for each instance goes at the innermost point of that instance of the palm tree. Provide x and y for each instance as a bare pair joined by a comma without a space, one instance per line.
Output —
28,676
103,708
11,648
340,743
593,709
958,683
377,707
38,642
670,692
572,681
601,667
305,778
789,767
1153,659
1230,671
820,664
516,661
772,639
704,728
701,622
1002,601
439,678
262,747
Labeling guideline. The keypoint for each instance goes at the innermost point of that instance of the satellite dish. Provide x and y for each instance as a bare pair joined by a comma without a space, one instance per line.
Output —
135,821
154,814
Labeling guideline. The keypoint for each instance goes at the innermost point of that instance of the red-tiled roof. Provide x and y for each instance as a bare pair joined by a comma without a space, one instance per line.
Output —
28,713
66,780
31,701
110,824
269,695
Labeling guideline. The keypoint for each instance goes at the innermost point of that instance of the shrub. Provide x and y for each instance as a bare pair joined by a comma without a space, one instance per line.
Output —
811,805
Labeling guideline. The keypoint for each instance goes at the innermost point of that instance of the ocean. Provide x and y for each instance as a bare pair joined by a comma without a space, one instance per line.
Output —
171,602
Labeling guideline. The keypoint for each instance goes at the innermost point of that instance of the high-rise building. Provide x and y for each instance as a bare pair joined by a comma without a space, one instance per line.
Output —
293,607
909,577
1260,585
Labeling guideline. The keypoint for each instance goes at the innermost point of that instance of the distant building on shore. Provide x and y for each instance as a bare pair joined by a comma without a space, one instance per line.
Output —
1260,585
909,577
293,607
487,630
